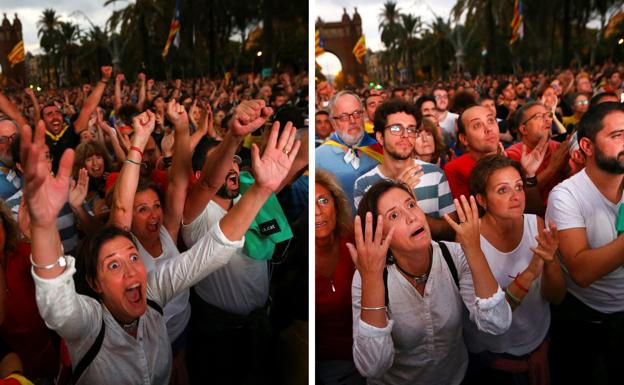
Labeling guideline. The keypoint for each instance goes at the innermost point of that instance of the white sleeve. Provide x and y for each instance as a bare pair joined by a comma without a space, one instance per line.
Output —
491,315
192,232
210,253
564,210
73,316
373,349
358,192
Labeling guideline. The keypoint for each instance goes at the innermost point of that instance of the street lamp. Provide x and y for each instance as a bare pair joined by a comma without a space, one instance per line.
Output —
259,53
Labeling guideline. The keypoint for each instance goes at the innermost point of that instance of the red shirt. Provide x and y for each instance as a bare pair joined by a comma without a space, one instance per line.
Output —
23,328
334,320
458,172
515,152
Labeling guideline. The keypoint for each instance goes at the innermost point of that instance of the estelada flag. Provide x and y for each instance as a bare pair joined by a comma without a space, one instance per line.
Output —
319,44
17,54
174,29
360,49
517,23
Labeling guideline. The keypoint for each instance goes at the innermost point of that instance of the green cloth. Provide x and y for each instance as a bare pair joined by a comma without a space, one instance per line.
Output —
269,228
619,226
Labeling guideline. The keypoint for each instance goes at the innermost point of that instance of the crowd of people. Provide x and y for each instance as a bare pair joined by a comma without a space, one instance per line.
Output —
468,230
152,231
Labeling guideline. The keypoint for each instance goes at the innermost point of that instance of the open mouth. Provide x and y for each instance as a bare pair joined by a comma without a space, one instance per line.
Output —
134,294
320,224
232,178
418,231
153,227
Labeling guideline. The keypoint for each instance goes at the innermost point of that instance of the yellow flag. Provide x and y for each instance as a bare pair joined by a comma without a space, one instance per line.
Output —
360,49
17,54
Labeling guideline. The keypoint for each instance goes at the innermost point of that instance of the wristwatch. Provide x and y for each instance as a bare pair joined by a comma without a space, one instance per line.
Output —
531,181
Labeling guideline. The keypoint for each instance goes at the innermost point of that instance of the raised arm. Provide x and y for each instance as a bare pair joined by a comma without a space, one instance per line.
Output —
248,116
11,110
93,100
141,102
269,171
36,115
45,196
119,78
128,179
180,171
120,154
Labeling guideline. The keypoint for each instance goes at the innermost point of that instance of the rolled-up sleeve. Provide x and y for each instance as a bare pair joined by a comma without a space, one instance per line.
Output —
210,253
70,314
373,349
491,315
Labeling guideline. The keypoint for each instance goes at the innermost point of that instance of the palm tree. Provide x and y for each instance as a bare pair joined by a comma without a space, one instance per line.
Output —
69,34
410,26
48,36
389,26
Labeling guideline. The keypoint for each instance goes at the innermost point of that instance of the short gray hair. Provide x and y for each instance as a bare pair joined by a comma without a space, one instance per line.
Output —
334,100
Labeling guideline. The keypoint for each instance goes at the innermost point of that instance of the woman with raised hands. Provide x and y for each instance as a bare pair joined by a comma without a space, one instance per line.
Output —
409,292
135,347
521,252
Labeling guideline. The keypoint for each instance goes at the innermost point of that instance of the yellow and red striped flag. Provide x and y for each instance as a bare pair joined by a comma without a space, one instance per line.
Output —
174,29
360,49
517,23
319,44
17,54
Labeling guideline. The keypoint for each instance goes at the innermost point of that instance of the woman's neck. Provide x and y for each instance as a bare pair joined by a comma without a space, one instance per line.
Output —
152,246
503,233
415,263
327,252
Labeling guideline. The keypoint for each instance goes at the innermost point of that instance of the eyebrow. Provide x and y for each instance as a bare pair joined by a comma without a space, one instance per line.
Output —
117,252
394,207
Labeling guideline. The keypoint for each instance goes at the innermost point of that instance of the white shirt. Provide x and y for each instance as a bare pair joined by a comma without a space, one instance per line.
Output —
122,359
239,287
532,318
422,343
577,203
448,128
177,312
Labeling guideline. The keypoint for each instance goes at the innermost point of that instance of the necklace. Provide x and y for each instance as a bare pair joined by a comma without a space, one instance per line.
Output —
131,327
419,279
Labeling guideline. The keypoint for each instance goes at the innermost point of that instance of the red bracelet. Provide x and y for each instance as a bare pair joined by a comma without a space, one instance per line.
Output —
135,148
520,285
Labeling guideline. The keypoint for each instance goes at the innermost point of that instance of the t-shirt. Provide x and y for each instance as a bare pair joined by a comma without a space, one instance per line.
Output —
239,287
531,320
433,192
458,173
10,181
577,203
448,128
67,138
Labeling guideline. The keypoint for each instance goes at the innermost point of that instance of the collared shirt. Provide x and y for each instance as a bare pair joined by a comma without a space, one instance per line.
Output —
331,158
422,343
433,191
122,359
239,287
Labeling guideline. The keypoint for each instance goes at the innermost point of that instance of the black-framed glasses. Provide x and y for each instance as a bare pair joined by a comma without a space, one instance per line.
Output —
540,116
398,130
346,117
4,139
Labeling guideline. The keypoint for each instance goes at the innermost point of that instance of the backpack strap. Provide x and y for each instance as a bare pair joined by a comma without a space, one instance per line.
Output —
154,305
449,261
86,360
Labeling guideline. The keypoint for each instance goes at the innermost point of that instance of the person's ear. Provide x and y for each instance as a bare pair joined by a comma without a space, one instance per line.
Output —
379,137
586,146
94,285
463,139
481,201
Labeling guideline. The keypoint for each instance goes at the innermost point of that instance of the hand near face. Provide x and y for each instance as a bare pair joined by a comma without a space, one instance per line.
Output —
531,161
45,194
78,189
107,72
411,176
467,230
249,116
370,251
277,158
547,243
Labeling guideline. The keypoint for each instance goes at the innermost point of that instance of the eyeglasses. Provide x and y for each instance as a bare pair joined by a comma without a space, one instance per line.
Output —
398,130
237,159
4,139
579,102
540,116
346,117
323,201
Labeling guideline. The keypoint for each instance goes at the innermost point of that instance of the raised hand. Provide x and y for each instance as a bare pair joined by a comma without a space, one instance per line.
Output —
411,176
249,116
467,230
144,124
531,161
78,189
107,72
141,77
547,243
45,194
176,113
150,84
277,158
30,92
369,252
119,78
